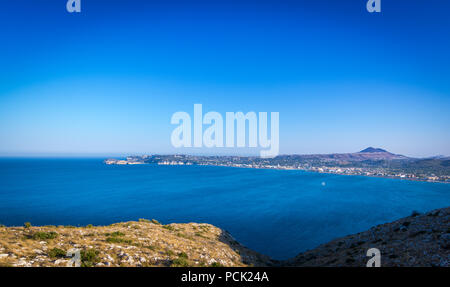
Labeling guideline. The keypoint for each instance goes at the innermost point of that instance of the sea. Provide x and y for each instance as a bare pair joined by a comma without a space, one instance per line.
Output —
279,213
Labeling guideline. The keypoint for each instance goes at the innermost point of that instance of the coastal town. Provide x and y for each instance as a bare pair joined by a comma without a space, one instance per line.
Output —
369,162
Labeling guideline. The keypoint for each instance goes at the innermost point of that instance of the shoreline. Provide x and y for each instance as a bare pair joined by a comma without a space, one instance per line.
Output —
285,168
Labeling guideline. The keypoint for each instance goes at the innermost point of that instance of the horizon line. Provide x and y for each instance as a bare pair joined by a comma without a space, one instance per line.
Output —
116,155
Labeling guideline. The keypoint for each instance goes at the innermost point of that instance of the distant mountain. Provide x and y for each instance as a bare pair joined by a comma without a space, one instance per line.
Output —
372,153
371,149
368,154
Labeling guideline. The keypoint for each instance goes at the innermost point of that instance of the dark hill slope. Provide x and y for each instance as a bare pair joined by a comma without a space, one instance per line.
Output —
417,240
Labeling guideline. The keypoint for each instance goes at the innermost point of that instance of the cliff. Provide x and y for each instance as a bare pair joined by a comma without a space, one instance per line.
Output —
142,243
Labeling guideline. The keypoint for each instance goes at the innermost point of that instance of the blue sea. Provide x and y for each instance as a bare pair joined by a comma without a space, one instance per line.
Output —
275,212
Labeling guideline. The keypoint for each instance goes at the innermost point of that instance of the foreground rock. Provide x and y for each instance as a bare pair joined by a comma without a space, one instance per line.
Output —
418,240
143,243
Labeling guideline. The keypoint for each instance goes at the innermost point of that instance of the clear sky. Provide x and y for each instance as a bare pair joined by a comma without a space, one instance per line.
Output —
107,81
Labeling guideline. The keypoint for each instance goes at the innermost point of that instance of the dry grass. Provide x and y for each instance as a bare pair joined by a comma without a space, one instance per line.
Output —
143,243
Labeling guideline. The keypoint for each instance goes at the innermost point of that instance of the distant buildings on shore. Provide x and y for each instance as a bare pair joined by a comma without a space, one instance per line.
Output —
312,164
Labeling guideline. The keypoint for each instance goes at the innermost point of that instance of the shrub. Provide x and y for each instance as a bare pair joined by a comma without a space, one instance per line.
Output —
41,235
144,220
169,227
200,235
154,221
118,240
183,255
205,228
89,257
27,225
183,235
115,234
57,253
216,264
180,262
170,252
89,226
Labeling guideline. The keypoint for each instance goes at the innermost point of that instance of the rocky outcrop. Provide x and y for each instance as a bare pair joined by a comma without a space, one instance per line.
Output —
143,243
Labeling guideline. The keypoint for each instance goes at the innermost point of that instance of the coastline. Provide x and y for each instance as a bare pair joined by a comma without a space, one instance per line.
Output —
125,162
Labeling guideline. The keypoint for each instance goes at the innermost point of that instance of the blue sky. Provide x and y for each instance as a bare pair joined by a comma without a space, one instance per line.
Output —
107,81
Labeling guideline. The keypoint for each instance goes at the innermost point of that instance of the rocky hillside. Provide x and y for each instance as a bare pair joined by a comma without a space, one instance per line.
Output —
417,240
143,243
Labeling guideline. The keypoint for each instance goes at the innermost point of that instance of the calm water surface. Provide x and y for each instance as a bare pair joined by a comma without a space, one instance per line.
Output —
278,213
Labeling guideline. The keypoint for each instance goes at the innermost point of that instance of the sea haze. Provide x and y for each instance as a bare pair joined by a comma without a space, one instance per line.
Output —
275,212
